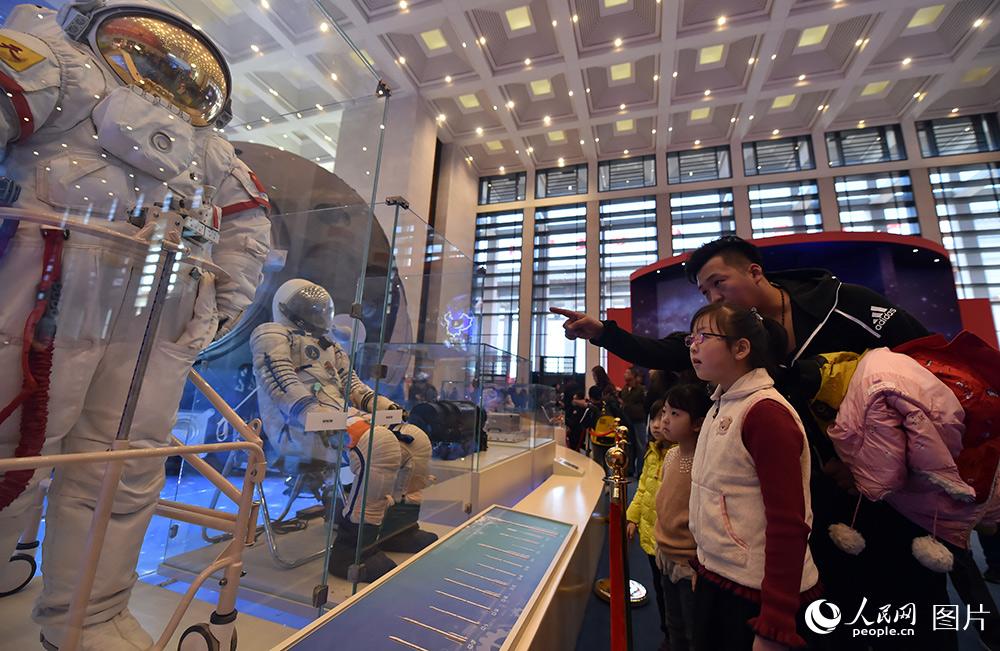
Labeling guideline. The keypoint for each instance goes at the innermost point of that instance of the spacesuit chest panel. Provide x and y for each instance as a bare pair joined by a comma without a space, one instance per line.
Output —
312,362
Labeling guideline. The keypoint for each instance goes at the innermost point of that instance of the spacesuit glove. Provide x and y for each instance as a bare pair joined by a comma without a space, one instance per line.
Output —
396,407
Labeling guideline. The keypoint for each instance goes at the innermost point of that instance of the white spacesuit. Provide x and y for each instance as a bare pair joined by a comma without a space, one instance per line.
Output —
112,107
300,370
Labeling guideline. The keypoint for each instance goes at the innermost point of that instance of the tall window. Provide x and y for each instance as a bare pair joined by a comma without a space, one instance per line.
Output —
561,181
774,156
877,202
785,208
968,208
628,242
959,135
626,173
502,189
696,165
867,145
496,284
560,270
699,217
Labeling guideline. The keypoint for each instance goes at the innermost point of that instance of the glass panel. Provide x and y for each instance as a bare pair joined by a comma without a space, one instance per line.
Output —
866,145
968,209
700,217
626,173
507,403
628,242
877,202
502,189
696,165
560,264
774,156
967,134
561,181
497,285
785,208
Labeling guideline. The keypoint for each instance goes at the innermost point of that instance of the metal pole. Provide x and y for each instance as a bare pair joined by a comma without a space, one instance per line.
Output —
621,601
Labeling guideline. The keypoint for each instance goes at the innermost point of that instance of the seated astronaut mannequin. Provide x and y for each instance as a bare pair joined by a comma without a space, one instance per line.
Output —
300,370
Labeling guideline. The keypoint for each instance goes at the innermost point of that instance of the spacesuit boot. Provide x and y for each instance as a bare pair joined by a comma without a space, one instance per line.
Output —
400,531
120,633
374,563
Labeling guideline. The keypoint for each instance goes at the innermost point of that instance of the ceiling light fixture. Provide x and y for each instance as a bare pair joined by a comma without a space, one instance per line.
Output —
576,18
597,140
530,150
254,48
442,117
479,131
978,22
721,21
447,79
581,141
588,90
802,77
954,110
403,4
482,40
570,93
773,57
861,124
464,44
625,152
751,116
656,77
621,107
265,4
547,120
707,92
561,161
502,169
402,61
618,42
510,103
494,107
732,119
750,61
858,43
554,23
653,131
324,27
527,61
670,129
333,76
907,61
775,132
697,142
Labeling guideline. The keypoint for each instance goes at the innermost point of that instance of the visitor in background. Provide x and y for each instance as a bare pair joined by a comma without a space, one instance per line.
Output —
633,397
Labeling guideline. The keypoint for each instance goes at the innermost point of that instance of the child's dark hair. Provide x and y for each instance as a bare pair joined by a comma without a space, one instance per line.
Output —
767,337
655,409
691,397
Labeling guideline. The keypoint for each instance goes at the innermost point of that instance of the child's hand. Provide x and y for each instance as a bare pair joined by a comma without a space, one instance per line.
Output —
764,644
631,530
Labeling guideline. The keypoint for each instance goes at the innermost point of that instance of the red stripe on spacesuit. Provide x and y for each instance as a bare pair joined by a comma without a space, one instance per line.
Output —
26,119
245,205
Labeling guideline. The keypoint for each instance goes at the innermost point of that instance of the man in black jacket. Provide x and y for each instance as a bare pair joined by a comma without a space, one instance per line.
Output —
820,314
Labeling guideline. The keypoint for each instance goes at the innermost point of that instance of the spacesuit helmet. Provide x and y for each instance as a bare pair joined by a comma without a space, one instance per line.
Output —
157,50
304,305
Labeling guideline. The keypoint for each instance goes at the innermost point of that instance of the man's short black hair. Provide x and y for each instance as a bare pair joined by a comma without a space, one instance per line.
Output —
734,250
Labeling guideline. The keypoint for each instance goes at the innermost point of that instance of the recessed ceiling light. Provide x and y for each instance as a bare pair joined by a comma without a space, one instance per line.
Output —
625,152
675,74
874,88
618,42
697,142
782,101
517,151
916,95
479,131
732,119
581,141
621,71
621,107
707,92
265,4
861,124
447,79
925,16
324,27
775,132
561,161
554,23
954,110
502,169
588,90
570,93
653,131
624,125
403,4
540,87
547,120
434,39
773,57
700,114
721,21
978,22
907,61
750,61
576,18
710,54
464,44
527,61
751,116
494,145
254,48
510,103
494,107
469,101
556,136
333,76
858,42
802,77
597,140
656,77
530,150
820,107
518,18
812,36
402,61
670,128
482,40
442,117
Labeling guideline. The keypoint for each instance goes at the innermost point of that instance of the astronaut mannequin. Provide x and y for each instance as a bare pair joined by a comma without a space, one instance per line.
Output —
301,370
110,107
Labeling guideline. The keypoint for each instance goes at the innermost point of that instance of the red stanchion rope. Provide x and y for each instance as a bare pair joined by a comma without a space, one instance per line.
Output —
616,578
36,369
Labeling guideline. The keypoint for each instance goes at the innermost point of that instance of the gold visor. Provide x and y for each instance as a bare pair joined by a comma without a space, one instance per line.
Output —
167,60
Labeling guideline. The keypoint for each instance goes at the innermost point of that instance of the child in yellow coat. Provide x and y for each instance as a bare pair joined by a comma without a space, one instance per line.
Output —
641,514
